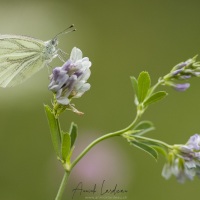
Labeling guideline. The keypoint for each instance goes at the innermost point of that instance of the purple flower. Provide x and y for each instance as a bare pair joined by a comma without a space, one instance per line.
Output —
184,64
194,142
184,160
181,87
182,71
179,170
70,80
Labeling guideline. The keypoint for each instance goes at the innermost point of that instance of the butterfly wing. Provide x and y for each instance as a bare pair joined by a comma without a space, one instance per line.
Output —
20,58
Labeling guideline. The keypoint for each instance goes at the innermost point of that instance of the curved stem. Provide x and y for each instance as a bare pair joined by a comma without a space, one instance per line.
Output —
93,144
109,135
62,186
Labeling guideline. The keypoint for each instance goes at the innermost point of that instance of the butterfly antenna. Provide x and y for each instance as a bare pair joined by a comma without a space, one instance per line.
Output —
67,30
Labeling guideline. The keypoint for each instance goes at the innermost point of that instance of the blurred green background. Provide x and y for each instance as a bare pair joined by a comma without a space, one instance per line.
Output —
121,38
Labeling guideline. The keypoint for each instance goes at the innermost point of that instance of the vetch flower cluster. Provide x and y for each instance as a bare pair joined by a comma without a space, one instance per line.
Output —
70,80
184,160
182,71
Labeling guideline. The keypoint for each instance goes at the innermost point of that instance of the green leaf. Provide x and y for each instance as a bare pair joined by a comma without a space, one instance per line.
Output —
151,151
144,83
149,143
54,129
160,150
66,146
135,85
154,144
143,127
73,133
155,97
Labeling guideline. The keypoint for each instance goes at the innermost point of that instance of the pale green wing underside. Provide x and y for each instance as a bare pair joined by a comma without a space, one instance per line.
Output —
20,58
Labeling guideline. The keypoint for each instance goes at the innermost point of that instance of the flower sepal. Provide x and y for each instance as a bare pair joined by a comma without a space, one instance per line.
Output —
60,108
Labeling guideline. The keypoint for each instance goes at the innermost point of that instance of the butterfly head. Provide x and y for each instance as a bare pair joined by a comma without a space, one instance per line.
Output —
54,42
51,50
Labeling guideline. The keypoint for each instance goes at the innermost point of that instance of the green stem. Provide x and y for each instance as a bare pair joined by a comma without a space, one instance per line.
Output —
153,140
62,186
160,81
109,135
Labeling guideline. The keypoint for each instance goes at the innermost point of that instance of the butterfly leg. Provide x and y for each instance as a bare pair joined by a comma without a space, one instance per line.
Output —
50,68
62,55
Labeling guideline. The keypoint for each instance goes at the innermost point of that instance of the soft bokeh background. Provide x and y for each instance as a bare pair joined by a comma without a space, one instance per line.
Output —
121,38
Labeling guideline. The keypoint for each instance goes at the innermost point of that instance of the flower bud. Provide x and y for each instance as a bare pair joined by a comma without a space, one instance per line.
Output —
181,87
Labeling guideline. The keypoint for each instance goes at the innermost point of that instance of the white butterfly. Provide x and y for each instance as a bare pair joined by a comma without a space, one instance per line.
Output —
22,56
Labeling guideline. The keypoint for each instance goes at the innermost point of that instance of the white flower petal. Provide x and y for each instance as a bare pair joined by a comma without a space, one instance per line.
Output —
76,54
82,90
85,75
58,94
190,164
86,64
166,172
